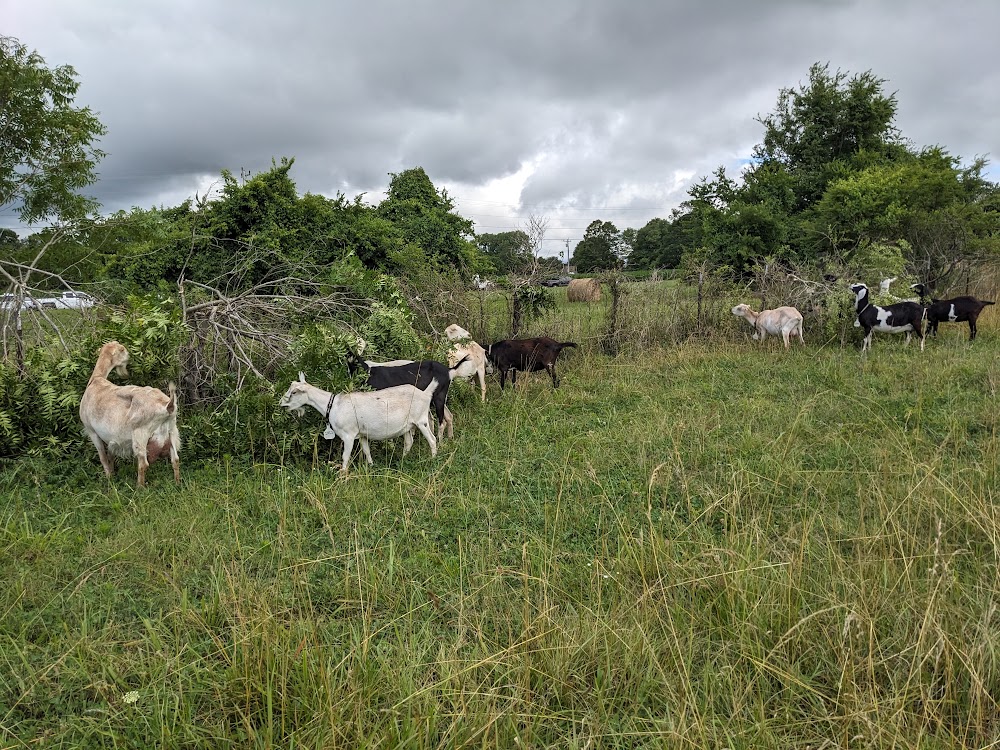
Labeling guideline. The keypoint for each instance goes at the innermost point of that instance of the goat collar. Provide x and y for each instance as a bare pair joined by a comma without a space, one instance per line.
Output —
864,308
329,407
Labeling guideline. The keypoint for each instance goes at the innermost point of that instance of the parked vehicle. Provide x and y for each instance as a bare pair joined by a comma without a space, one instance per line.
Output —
10,302
68,301
557,281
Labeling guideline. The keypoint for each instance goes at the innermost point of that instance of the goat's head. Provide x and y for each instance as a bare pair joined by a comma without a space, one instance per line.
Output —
297,396
455,332
859,289
742,311
355,364
116,358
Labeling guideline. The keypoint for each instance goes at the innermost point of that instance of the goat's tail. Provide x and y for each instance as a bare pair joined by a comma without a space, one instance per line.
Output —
172,403
987,302
429,390
564,344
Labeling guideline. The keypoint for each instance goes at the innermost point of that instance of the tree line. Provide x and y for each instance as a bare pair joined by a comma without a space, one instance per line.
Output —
832,182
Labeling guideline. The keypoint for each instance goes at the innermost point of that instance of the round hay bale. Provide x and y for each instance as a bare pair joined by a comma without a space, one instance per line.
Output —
584,290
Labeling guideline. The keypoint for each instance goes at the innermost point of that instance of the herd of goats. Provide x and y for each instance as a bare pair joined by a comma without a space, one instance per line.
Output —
141,422
907,316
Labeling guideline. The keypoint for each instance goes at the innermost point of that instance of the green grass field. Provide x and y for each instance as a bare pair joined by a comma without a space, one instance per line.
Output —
713,544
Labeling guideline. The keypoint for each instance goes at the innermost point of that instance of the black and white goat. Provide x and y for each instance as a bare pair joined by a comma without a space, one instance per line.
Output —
902,317
954,310
418,374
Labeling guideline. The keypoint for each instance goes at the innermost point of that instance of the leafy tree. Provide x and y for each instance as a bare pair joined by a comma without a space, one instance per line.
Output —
833,119
937,209
72,257
662,242
510,252
833,178
146,249
9,242
646,253
602,248
46,144
254,229
425,217
627,246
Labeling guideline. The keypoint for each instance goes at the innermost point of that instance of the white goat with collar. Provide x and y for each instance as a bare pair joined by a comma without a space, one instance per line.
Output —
368,415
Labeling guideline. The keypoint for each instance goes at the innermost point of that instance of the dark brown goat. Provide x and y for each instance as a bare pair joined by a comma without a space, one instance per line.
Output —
525,355
955,310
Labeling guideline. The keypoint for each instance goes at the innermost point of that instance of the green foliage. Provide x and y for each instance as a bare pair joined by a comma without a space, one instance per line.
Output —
389,332
150,328
833,176
509,252
533,301
46,145
829,121
602,248
662,242
60,252
425,218
256,230
259,227
39,413
874,261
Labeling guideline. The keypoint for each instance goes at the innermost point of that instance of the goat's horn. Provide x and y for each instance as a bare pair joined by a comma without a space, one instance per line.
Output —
302,377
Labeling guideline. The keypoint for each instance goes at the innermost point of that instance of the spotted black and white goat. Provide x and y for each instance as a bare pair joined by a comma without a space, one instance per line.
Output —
902,317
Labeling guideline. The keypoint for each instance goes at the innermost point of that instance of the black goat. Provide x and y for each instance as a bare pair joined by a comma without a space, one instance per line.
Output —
526,355
902,317
955,310
419,374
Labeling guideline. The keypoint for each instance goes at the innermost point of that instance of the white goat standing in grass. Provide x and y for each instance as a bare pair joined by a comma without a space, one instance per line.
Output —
129,420
781,321
368,415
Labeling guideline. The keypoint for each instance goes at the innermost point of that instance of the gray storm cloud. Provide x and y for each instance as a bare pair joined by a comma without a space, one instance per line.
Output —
595,105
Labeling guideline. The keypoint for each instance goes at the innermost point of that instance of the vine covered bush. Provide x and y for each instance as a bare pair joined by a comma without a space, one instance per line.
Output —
39,409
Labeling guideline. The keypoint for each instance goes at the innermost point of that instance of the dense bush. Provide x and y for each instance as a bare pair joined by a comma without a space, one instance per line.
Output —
39,409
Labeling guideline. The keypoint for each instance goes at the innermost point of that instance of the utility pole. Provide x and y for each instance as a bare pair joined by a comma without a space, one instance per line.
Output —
566,267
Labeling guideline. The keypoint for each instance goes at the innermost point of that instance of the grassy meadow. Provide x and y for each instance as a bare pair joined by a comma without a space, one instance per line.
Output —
704,544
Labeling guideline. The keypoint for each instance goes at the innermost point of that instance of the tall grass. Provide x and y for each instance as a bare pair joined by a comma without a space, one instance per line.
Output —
714,544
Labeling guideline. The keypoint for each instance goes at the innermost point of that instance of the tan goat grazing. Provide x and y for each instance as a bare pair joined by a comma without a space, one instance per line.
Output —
129,420
782,321
464,348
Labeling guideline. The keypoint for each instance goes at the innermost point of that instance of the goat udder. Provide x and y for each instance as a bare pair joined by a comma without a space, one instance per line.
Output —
155,450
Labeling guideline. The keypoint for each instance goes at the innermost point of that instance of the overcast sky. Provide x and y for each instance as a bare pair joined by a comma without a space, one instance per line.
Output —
569,110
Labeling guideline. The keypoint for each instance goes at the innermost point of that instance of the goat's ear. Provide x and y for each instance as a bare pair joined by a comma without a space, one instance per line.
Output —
302,376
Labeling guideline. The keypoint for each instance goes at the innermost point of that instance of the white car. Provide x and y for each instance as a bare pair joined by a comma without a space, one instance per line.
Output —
9,302
67,301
